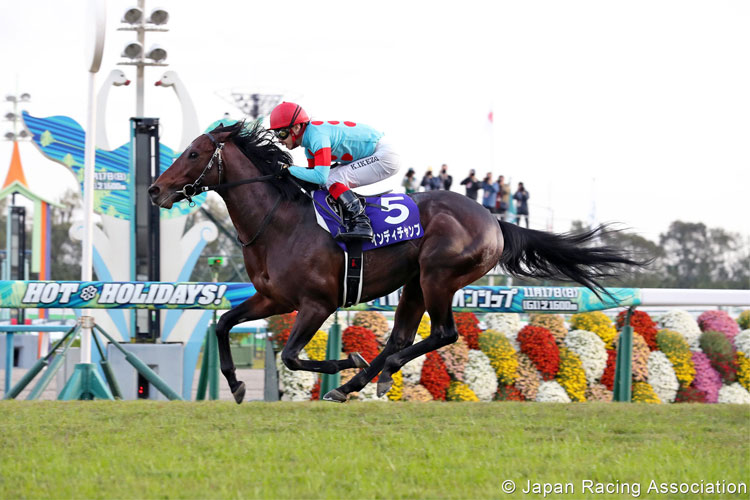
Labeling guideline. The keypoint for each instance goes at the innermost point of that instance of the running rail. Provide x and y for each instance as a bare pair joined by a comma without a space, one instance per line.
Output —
481,299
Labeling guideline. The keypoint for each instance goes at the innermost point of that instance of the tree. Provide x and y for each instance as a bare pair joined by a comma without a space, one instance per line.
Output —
637,248
66,255
696,256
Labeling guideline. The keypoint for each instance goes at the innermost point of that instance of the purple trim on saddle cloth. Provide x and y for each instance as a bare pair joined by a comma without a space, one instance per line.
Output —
397,221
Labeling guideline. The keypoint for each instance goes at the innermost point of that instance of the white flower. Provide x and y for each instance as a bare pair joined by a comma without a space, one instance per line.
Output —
742,342
412,371
683,323
591,350
734,394
507,323
480,376
552,392
661,376
295,385
370,393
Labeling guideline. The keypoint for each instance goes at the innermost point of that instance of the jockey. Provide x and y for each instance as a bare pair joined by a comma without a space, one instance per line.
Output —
363,156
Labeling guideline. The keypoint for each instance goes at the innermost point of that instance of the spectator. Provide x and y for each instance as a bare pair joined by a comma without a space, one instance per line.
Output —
427,180
472,185
522,207
410,182
446,181
501,206
489,195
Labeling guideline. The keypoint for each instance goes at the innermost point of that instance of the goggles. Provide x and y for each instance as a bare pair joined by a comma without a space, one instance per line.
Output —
282,133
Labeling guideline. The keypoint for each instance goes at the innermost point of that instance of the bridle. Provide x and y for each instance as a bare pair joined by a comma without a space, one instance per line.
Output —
195,188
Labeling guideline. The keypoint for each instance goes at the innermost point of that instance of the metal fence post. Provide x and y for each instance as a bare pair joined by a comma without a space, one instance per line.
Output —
624,368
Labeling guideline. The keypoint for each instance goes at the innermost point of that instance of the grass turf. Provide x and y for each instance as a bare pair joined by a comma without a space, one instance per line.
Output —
143,449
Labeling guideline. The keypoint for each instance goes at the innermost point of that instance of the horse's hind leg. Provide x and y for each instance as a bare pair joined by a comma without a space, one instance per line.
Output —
309,319
408,315
438,300
256,307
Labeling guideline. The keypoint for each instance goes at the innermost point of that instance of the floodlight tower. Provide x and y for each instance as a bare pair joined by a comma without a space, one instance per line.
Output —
253,105
136,20
145,167
15,118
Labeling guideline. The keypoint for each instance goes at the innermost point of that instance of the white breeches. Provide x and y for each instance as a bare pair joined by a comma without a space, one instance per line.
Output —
383,163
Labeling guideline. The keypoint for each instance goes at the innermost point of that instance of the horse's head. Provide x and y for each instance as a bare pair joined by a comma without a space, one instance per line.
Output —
199,165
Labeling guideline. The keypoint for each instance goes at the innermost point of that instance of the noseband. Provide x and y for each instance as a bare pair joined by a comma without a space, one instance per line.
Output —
190,190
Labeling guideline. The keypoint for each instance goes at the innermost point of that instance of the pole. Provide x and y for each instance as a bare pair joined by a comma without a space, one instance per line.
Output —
140,68
8,361
87,251
624,367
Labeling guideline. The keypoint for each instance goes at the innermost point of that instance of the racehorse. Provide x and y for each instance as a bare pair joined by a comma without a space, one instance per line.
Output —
295,265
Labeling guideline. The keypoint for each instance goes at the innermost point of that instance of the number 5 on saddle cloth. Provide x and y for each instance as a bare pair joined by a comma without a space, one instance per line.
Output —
395,219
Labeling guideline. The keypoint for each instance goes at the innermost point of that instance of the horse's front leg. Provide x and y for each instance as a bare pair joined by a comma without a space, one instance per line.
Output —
309,319
256,307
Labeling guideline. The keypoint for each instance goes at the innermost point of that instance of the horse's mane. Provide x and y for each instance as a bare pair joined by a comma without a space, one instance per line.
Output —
257,144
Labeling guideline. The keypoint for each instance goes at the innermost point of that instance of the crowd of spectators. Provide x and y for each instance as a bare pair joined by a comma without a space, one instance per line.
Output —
496,194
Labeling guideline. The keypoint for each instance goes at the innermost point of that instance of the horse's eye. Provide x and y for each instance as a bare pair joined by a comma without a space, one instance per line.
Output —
193,155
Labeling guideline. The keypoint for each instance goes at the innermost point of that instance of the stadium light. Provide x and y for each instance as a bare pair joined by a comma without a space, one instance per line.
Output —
133,50
133,15
157,53
158,16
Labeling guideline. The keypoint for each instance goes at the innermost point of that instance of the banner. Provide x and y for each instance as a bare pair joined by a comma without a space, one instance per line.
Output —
523,299
122,295
157,295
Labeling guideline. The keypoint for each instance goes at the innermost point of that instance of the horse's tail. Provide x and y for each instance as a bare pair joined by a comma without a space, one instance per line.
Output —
537,254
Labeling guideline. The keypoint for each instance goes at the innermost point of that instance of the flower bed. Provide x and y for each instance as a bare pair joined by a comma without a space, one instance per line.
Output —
517,362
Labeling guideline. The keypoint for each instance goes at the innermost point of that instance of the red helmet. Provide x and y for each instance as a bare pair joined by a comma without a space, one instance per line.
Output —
287,114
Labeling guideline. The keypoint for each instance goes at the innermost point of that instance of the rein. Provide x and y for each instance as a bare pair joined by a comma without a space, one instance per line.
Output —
195,188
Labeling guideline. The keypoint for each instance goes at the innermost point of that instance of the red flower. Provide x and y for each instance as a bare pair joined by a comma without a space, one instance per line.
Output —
508,393
539,345
467,325
435,377
690,395
608,377
315,391
362,340
280,327
642,324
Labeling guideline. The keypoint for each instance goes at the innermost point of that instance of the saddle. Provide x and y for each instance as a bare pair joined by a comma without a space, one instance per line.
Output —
394,218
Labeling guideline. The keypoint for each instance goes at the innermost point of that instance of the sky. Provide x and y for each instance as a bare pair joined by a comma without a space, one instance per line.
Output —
632,111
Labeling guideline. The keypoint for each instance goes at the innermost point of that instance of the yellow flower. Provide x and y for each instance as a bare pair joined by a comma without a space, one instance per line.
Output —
458,391
424,327
502,356
676,348
596,322
571,375
316,348
644,393
743,370
397,389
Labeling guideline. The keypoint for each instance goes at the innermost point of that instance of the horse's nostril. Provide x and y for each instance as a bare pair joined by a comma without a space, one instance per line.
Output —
153,190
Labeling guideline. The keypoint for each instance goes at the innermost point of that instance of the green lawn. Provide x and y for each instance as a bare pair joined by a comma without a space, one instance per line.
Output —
143,449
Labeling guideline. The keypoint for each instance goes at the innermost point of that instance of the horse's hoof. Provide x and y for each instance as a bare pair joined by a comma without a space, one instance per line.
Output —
239,393
359,361
384,387
335,396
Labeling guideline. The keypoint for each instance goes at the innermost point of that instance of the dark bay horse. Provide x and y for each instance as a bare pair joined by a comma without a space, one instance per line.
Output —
296,265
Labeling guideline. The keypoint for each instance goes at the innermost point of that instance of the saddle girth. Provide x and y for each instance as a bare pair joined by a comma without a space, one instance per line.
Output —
353,273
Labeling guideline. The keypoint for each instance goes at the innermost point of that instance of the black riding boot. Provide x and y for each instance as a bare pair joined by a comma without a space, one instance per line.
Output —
357,223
